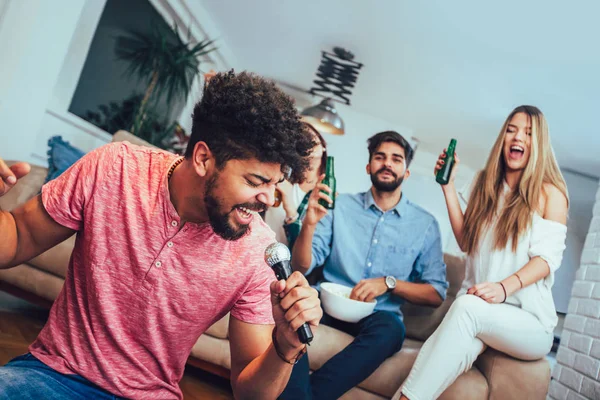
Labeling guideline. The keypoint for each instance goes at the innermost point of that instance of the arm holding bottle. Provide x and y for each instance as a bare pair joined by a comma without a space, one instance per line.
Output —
302,251
292,222
454,211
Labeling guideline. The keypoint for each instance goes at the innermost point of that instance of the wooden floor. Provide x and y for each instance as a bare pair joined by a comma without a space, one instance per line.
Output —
18,328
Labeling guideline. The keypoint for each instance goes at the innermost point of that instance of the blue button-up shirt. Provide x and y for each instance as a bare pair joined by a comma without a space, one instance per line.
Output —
357,241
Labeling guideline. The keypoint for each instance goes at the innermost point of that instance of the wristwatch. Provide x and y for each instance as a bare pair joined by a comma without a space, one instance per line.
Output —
390,282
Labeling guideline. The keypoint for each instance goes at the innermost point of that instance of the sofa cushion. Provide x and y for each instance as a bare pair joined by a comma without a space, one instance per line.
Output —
33,280
214,350
422,321
509,378
26,188
122,135
56,259
393,371
469,386
220,329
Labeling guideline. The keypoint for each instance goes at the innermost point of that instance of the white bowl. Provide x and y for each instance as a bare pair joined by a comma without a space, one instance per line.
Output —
337,303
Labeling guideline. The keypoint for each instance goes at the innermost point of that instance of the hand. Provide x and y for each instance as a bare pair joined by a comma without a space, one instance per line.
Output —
285,188
440,162
10,175
314,211
294,303
491,292
369,289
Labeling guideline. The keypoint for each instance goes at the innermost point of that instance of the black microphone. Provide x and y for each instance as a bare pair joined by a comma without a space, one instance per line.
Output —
278,256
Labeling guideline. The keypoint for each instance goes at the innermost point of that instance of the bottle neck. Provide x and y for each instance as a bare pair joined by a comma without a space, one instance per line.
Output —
329,169
451,147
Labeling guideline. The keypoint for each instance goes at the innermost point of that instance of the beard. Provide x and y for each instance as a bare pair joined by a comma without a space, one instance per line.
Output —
386,186
221,222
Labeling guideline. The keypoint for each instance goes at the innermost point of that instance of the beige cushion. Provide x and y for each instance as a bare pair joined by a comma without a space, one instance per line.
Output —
213,350
509,378
383,383
33,280
393,371
469,386
56,259
422,321
26,188
220,329
121,136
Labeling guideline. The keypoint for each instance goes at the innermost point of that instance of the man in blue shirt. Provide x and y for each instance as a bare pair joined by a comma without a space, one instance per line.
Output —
383,246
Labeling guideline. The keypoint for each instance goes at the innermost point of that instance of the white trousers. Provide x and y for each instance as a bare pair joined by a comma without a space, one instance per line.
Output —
469,327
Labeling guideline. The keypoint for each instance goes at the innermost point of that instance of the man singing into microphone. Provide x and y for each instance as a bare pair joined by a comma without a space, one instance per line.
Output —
166,246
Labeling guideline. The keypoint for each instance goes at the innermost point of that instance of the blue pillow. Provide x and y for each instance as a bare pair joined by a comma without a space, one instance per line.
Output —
61,156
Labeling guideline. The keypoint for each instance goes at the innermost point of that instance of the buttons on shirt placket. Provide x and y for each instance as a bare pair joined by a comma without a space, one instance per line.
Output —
157,264
369,266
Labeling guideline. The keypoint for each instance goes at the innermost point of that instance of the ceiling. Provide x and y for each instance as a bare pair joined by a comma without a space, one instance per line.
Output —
441,68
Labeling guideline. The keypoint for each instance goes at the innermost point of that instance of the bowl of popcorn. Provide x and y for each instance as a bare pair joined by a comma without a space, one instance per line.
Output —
336,302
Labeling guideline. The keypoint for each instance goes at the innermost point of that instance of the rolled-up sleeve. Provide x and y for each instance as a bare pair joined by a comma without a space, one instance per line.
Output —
547,242
429,265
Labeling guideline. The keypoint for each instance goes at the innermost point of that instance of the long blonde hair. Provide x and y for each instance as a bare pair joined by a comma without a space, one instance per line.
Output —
516,215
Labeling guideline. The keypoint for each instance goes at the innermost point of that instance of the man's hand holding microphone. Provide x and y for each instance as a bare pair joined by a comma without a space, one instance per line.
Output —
296,306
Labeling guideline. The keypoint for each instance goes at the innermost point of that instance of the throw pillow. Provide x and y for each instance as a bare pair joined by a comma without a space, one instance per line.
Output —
61,156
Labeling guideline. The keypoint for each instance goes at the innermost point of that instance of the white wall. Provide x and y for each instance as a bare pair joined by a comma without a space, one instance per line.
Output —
582,191
3,5
577,374
34,39
78,132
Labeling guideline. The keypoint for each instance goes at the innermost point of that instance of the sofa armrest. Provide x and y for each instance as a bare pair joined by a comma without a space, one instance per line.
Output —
509,378
27,187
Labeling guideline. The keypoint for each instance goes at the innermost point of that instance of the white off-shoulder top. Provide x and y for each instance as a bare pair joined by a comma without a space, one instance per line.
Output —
545,239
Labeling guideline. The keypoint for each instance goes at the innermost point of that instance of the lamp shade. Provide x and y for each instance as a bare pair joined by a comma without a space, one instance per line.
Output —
324,117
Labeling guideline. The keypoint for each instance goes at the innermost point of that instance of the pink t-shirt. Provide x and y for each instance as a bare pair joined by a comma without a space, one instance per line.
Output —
140,289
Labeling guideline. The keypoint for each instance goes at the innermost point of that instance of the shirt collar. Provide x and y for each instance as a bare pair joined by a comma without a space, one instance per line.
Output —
401,208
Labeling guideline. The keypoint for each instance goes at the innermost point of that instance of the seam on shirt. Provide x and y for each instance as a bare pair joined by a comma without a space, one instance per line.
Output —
120,149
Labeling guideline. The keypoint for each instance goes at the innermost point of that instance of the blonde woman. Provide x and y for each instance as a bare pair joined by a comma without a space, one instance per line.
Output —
513,232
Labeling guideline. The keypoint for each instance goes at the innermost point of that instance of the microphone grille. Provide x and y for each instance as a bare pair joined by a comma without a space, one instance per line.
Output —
277,252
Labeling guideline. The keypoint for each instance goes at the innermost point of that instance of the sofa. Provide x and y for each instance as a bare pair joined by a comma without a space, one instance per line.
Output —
494,375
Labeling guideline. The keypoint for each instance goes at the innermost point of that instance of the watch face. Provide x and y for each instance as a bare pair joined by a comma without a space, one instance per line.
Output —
390,282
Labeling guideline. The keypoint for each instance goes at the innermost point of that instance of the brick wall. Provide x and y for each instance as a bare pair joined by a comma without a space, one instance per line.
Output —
577,372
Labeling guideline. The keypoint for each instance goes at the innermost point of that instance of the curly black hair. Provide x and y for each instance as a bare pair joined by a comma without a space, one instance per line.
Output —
243,116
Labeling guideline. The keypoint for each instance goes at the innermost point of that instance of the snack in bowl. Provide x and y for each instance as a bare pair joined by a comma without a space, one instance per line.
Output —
336,302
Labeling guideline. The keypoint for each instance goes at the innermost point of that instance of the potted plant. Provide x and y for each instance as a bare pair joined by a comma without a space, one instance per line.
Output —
164,62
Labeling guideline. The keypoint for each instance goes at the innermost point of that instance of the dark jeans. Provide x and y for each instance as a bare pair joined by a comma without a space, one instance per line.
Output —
377,337
26,377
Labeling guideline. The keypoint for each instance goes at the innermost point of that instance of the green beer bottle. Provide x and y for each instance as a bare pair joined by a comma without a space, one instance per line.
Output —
329,180
443,175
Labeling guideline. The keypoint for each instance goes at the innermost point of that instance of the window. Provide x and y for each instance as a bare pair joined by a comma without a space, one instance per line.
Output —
103,88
